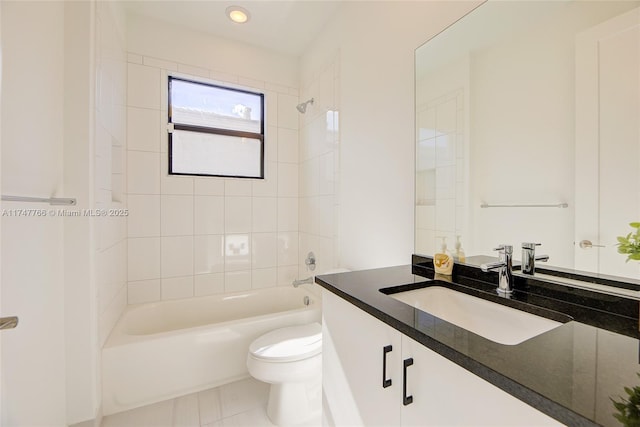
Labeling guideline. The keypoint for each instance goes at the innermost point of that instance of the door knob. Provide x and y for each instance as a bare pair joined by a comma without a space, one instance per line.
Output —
586,244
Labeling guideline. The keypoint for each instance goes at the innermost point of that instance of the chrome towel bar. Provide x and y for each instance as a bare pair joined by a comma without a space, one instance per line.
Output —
50,200
555,205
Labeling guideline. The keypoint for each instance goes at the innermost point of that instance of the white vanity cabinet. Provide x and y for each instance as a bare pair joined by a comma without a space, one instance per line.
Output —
438,392
355,346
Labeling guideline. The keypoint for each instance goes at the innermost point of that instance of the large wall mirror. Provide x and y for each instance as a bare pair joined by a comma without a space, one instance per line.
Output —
528,130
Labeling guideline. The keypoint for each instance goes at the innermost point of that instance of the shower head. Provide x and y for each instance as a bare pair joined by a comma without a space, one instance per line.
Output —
303,107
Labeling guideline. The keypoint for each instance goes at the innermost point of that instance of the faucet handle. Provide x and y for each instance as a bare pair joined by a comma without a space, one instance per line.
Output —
504,248
527,245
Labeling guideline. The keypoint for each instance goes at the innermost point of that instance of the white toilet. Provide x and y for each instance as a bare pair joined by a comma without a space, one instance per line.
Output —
290,359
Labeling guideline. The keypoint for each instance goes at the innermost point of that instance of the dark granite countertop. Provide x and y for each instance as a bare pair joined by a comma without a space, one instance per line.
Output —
570,372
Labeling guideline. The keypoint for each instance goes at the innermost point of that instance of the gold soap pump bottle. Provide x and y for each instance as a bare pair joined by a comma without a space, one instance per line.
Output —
442,261
459,255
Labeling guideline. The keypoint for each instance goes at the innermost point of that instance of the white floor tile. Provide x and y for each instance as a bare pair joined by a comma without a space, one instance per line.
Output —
156,415
186,412
243,395
210,407
239,404
256,417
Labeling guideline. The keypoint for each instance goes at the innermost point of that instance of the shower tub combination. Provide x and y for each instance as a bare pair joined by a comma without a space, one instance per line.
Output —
162,350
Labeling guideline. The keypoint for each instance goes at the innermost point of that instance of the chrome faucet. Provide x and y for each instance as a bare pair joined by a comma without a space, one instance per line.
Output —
297,283
504,265
529,258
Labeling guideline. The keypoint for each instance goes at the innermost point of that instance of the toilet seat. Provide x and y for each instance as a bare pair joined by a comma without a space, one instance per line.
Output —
288,344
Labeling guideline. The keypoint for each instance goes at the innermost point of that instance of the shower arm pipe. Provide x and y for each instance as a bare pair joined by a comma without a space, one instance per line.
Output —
302,107
58,201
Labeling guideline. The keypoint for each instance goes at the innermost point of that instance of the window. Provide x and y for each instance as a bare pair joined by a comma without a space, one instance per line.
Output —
216,130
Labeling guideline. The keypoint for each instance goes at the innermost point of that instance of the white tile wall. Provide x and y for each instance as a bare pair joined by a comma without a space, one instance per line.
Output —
237,252
209,284
264,247
208,254
288,180
440,158
237,214
176,215
204,235
236,281
209,215
143,172
260,278
265,214
288,145
287,214
144,258
143,130
318,176
110,171
144,291
176,256
143,85
177,287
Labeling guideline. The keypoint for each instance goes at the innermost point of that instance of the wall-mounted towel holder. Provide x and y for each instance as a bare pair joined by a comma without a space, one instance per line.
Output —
50,200
554,205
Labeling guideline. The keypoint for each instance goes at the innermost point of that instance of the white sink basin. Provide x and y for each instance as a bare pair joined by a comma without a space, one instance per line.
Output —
496,322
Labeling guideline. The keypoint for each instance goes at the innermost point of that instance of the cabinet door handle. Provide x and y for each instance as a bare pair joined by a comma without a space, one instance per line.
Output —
385,382
406,400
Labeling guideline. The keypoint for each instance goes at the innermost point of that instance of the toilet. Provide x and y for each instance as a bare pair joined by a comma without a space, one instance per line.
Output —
290,359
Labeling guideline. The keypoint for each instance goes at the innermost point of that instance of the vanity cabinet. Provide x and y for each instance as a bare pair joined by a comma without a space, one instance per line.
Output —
355,346
367,383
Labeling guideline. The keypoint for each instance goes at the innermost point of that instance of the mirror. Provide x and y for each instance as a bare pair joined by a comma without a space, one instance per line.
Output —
527,131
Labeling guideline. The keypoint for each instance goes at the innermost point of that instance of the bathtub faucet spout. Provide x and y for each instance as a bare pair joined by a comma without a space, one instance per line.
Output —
297,283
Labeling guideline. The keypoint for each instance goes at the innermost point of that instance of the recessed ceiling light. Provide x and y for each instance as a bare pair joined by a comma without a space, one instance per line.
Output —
238,14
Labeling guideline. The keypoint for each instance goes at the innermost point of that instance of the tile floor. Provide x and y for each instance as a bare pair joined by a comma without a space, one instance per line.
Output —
239,404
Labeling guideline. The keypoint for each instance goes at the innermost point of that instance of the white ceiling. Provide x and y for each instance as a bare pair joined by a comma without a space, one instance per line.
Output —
286,26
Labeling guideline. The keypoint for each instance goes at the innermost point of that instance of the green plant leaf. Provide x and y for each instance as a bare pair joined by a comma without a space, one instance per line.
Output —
630,244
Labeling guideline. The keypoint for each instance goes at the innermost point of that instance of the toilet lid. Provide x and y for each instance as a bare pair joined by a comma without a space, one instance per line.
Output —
288,344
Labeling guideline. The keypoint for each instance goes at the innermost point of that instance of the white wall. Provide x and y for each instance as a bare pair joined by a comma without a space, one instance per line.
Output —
50,363
376,41
198,236
181,45
33,355
79,304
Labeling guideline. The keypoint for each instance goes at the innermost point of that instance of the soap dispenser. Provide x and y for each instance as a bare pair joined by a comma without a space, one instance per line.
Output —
442,261
459,256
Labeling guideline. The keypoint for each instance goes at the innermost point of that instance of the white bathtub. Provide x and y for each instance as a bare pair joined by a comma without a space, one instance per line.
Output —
161,350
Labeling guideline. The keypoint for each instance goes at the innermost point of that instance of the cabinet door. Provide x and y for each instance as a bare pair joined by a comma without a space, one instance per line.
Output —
444,393
353,352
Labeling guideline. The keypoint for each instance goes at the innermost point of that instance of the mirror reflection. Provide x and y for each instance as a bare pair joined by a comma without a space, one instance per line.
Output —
527,131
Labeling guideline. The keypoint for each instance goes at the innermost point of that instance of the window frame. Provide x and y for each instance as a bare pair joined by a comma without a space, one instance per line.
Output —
212,130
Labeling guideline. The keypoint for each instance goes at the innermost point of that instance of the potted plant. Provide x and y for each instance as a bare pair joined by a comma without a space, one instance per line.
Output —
628,411
630,244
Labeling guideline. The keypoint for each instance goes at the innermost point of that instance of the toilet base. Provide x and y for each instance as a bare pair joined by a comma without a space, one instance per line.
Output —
293,404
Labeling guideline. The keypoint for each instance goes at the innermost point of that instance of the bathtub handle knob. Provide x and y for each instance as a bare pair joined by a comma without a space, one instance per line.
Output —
310,261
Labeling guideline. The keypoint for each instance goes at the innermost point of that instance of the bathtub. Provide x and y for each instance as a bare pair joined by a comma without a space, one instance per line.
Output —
162,350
